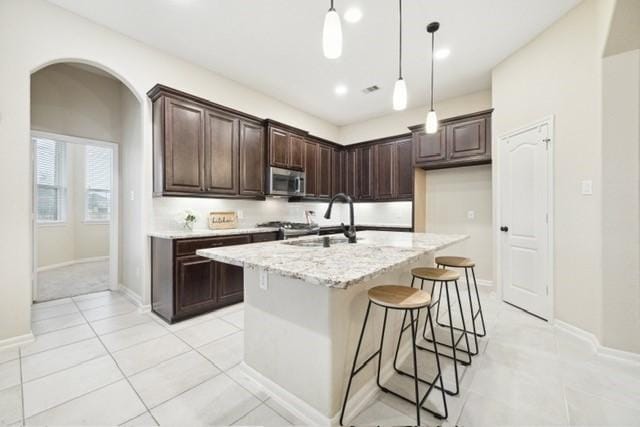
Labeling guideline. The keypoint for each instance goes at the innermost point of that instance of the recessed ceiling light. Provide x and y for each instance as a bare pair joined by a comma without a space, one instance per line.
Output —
353,15
441,53
341,90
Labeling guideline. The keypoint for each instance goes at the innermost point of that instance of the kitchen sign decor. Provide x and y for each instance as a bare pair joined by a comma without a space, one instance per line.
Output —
222,220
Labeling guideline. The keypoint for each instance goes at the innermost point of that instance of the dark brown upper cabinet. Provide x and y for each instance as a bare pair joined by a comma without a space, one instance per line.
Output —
252,162
460,141
337,171
311,169
403,173
203,149
183,137
324,172
384,167
286,146
318,169
351,177
221,153
365,169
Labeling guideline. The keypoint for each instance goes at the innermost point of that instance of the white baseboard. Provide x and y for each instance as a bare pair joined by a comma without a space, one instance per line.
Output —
483,282
612,353
13,342
134,298
310,415
72,262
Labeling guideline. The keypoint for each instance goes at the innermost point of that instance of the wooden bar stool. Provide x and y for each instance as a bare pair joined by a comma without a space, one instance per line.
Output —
410,300
467,264
444,277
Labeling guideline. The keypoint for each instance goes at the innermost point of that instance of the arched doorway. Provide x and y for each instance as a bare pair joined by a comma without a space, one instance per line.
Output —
86,125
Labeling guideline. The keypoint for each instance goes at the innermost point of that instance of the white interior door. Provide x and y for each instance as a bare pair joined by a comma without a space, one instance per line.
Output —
525,174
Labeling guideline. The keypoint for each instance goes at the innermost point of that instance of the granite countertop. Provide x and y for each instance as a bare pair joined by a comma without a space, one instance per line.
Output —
369,224
204,232
340,265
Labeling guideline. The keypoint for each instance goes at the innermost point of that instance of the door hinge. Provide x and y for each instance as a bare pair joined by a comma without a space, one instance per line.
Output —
546,141
546,218
547,290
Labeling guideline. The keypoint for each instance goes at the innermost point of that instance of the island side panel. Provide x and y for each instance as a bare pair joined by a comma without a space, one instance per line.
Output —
303,336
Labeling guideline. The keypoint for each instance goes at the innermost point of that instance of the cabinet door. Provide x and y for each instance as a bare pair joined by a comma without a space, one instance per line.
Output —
311,169
221,153
195,290
184,141
403,170
278,148
384,170
430,148
351,177
337,171
296,153
229,281
251,159
467,139
365,173
324,171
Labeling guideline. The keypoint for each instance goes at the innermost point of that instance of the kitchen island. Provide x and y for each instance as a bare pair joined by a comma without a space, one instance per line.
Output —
304,306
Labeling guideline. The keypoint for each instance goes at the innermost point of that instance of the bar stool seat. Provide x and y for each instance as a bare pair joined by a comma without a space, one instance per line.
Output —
455,261
399,297
437,274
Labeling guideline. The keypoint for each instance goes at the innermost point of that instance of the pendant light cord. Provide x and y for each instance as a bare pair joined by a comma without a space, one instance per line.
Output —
331,8
433,36
400,61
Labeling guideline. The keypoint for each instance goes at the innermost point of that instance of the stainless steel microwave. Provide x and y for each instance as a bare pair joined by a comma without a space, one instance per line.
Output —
285,182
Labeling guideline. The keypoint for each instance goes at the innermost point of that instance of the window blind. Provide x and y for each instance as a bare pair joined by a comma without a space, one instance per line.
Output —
51,191
98,183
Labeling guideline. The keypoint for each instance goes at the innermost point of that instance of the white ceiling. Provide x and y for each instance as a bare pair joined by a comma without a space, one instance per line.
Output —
274,46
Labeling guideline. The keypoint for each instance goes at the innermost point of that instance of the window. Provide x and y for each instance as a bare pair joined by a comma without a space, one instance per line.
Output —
50,180
98,166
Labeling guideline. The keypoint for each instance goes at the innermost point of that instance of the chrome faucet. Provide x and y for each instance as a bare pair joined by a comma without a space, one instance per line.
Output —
349,232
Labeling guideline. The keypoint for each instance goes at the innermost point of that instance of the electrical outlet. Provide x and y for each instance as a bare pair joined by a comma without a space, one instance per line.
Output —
132,195
240,214
471,214
587,188
264,279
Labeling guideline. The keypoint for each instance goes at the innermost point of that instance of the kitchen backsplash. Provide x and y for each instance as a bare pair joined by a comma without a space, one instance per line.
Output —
168,211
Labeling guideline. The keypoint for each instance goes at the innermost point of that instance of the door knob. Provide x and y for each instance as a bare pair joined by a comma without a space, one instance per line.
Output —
504,228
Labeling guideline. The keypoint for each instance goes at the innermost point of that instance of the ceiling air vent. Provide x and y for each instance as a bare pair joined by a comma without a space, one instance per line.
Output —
371,89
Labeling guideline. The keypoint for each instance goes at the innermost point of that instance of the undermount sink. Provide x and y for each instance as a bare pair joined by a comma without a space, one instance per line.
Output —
319,242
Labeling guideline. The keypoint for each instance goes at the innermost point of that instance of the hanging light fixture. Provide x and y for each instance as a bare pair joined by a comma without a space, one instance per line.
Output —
431,123
400,88
332,34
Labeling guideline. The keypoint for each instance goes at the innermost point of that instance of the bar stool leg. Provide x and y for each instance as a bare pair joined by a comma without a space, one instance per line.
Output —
435,349
415,365
384,328
473,319
464,326
453,345
475,284
355,360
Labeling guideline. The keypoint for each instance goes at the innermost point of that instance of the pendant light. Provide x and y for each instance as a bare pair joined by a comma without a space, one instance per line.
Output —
431,123
400,88
332,34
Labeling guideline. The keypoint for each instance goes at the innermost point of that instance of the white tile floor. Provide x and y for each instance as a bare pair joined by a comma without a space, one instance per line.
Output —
97,361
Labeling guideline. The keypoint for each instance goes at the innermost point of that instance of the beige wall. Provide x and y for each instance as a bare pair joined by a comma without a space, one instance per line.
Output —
621,201
34,33
397,123
559,73
451,194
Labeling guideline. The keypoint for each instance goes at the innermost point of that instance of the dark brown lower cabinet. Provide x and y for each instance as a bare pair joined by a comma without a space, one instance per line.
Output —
184,284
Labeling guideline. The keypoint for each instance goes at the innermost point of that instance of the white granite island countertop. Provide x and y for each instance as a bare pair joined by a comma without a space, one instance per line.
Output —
340,265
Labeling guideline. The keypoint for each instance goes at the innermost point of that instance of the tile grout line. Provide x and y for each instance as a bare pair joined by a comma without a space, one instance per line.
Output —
120,369
21,386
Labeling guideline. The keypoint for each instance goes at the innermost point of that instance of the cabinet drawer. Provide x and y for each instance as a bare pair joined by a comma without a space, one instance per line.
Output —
190,246
265,237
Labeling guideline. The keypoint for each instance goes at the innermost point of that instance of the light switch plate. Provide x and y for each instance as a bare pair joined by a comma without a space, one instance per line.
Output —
471,214
264,279
587,188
